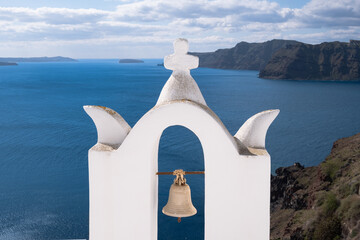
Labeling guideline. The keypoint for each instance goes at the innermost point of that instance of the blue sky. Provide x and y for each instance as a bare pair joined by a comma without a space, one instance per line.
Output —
146,28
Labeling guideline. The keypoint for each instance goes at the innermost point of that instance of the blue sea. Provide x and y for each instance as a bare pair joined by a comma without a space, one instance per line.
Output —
45,135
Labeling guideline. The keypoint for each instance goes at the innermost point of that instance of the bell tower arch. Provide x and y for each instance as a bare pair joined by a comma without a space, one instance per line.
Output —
123,164
180,148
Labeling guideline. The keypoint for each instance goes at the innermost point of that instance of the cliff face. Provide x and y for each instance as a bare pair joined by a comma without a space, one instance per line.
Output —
249,56
325,61
320,202
287,59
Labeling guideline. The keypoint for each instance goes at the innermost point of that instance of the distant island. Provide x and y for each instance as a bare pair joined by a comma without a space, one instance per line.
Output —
8,64
288,59
130,61
38,59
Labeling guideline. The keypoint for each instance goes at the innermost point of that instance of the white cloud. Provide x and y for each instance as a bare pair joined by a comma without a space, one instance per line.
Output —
214,23
156,10
323,13
51,15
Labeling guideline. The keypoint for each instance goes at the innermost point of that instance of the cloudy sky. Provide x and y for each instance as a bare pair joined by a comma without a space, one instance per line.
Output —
146,28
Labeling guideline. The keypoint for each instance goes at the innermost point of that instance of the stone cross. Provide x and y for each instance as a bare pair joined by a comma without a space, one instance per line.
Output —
180,85
180,60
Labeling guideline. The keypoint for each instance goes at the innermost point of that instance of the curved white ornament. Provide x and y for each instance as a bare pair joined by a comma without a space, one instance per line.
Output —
111,127
253,132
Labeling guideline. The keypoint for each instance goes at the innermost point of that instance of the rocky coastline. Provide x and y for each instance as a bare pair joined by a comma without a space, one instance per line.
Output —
244,56
326,61
320,202
291,60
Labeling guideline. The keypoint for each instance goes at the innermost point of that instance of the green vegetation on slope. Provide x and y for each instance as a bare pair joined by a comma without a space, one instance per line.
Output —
322,202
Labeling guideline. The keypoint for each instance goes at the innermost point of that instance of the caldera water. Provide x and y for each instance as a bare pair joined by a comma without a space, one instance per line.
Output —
45,135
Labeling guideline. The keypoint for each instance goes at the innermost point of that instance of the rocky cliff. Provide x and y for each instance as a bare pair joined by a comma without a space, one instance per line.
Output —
287,59
325,61
249,56
321,202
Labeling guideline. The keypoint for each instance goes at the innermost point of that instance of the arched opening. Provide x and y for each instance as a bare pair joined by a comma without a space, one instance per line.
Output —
179,148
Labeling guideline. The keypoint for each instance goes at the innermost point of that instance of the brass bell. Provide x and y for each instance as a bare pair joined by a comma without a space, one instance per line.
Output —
179,203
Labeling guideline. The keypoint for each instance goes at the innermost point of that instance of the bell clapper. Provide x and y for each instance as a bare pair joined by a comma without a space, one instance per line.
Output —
179,219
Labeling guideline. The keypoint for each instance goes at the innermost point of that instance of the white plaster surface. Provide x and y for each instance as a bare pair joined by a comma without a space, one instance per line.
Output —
124,185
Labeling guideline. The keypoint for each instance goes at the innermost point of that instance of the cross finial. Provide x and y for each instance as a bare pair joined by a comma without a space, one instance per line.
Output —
180,85
180,60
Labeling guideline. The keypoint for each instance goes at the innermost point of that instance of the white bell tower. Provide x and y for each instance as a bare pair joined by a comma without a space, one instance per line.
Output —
124,162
